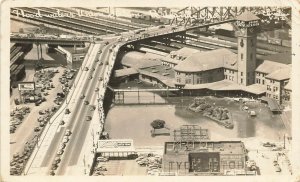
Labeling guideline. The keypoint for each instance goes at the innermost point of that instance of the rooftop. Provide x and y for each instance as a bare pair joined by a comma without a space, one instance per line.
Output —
140,60
268,66
202,61
185,52
281,74
247,16
125,72
229,86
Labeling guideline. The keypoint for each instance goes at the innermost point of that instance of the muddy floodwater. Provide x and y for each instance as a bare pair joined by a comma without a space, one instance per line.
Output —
133,121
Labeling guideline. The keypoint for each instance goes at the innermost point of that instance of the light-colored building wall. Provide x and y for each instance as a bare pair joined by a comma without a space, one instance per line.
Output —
273,89
199,77
230,75
260,78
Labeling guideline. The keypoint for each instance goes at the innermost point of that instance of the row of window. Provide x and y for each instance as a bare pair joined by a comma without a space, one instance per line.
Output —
261,74
269,88
274,96
200,73
229,77
258,81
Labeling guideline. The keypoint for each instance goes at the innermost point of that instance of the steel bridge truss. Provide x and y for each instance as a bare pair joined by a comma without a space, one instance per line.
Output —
191,16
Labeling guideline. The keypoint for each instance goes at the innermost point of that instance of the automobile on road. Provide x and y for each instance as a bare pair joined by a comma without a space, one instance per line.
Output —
88,118
65,139
68,132
60,152
82,96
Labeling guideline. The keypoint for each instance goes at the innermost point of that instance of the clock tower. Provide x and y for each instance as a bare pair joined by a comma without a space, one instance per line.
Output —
247,23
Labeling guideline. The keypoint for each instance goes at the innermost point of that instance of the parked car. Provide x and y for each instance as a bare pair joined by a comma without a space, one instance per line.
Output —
268,144
36,129
62,122
86,102
96,89
102,159
67,111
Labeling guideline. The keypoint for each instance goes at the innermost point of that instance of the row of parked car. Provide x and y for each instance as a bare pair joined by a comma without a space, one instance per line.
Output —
151,161
16,117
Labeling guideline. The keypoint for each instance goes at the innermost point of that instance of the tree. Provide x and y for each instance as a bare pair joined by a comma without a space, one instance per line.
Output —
157,124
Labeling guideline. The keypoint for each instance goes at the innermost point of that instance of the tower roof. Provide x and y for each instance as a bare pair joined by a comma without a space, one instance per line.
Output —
247,16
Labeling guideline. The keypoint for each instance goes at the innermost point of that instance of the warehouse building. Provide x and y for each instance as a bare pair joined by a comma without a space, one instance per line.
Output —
206,158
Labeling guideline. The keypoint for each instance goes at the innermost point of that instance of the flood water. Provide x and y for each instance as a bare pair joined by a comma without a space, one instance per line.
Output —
133,121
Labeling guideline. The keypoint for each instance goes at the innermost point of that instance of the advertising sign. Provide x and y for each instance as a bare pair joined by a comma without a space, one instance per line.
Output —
26,86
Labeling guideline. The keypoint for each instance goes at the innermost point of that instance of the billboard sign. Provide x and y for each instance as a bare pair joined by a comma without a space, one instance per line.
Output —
115,145
26,86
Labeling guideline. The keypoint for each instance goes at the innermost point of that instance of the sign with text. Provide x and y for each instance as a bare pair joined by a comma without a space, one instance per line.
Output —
26,86
115,145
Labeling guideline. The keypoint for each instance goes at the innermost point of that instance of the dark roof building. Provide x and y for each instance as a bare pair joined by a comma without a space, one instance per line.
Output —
206,158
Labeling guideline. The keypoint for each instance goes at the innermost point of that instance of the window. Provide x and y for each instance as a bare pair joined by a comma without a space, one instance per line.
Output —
263,82
178,80
242,56
241,73
258,81
199,81
232,164
178,73
188,81
226,77
241,80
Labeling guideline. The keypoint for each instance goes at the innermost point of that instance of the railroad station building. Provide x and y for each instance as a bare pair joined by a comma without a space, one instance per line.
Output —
220,71
206,70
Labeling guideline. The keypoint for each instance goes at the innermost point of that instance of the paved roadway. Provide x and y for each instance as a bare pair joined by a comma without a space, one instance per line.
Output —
79,125
77,118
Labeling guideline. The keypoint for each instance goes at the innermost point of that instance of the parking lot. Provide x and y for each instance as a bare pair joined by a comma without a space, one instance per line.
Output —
144,164
49,94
